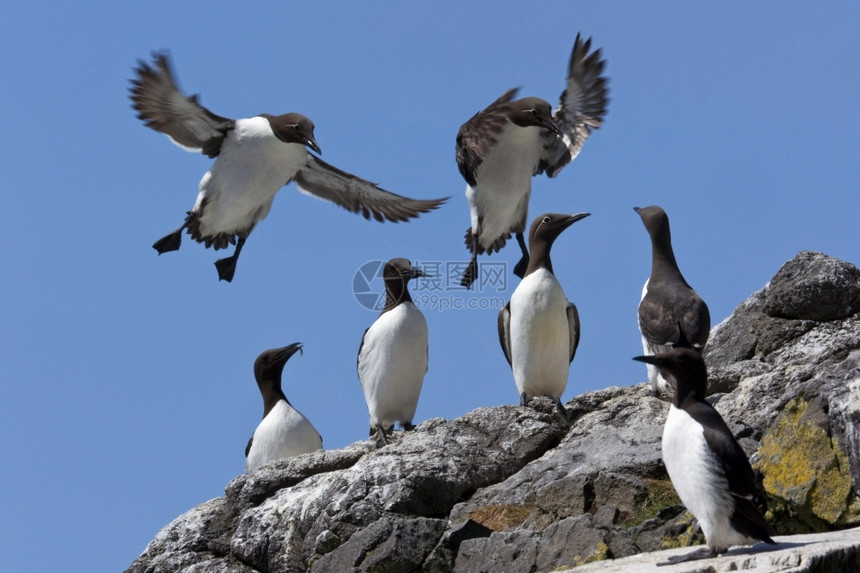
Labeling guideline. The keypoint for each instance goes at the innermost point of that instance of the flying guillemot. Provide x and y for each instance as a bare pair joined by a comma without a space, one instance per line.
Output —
392,357
707,466
284,432
254,158
539,328
670,312
500,148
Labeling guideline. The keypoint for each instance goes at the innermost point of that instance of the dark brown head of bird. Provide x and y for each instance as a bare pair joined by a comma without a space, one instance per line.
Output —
293,128
270,364
533,111
685,367
544,231
396,274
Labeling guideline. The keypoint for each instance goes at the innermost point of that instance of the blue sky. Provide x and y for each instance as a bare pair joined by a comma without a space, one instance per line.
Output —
127,384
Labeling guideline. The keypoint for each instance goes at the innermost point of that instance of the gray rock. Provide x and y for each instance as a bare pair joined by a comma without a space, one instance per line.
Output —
249,490
194,539
510,551
389,545
442,558
809,289
816,287
526,489
569,541
613,442
289,514
811,553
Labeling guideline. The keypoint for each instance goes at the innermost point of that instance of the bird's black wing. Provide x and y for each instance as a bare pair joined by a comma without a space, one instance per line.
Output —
478,135
746,518
666,317
354,194
358,357
248,447
573,327
726,449
505,331
581,109
696,320
164,108
658,321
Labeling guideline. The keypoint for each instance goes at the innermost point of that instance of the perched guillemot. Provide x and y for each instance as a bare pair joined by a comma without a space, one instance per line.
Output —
539,328
392,358
708,468
255,157
503,146
284,431
670,312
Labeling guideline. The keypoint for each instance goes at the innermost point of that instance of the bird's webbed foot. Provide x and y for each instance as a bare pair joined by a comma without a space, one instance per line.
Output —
381,435
169,242
471,273
523,264
227,266
703,553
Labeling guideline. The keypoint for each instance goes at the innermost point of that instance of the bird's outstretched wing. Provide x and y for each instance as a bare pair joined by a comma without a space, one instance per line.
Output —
164,108
478,135
354,194
581,109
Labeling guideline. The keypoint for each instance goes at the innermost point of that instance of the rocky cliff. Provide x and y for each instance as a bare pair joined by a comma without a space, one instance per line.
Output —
525,489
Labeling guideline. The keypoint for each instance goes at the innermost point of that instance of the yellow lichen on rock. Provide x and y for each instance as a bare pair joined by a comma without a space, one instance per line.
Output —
804,467
600,553
691,536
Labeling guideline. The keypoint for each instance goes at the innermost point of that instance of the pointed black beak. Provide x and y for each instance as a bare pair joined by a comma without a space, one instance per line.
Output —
655,360
551,125
577,217
413,273
312,143
287,351
570,220
557,223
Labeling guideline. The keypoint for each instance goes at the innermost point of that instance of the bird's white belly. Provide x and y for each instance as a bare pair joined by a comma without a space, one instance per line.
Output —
698,478
501,198
250,170
392,365
657,381
540,336
283,433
